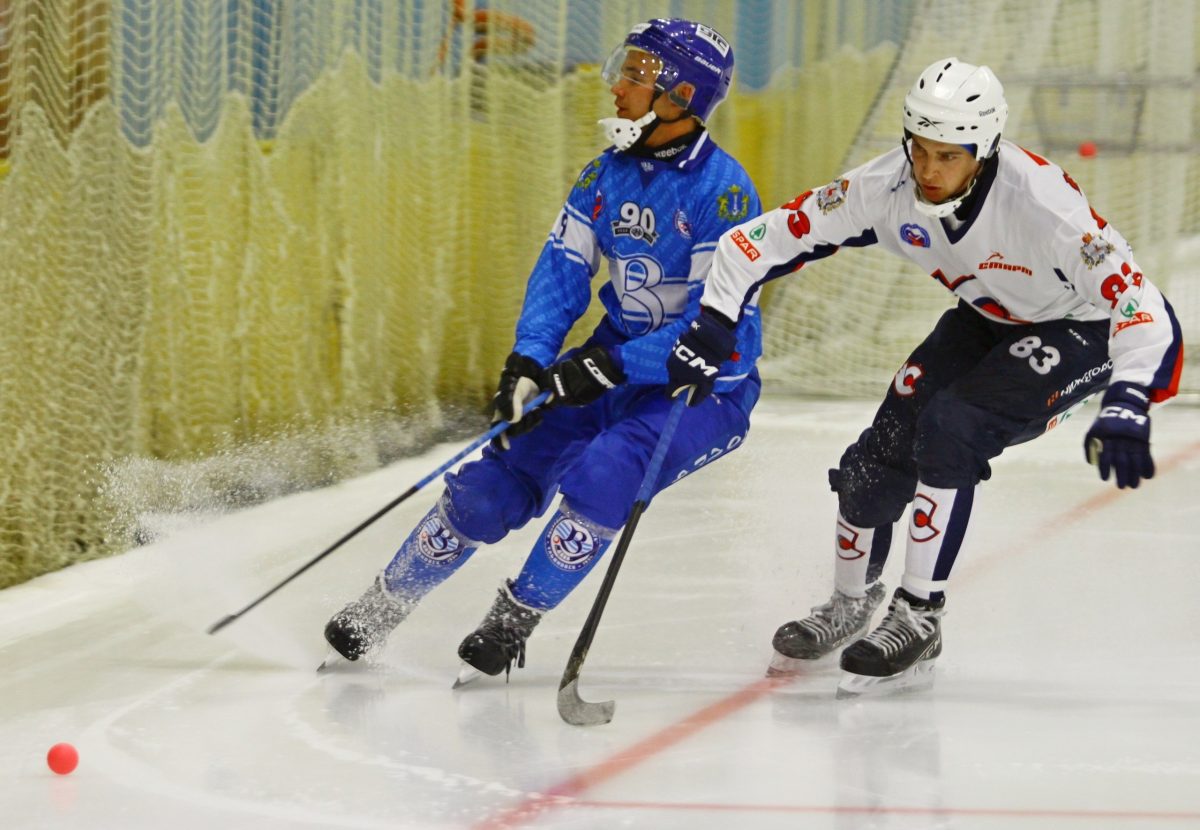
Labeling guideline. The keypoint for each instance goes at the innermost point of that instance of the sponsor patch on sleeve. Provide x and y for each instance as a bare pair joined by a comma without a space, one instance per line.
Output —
745,245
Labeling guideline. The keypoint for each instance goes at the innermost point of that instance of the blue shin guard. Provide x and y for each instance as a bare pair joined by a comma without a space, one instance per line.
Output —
567,551
432,552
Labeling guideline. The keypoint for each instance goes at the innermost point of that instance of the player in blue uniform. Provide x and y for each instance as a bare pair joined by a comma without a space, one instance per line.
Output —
651,208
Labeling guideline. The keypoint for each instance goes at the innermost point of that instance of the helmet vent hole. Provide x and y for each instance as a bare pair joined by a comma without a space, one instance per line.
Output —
972,97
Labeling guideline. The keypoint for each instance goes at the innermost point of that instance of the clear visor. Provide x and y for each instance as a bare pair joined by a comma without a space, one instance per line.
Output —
627,63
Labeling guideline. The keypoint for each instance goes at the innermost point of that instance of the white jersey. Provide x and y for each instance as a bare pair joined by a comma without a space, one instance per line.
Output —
1031,250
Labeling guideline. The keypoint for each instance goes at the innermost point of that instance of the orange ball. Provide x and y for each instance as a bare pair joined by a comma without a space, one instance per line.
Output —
62,758
1087,149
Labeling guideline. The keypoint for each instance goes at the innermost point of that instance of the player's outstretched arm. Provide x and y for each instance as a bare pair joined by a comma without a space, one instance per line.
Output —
1119,439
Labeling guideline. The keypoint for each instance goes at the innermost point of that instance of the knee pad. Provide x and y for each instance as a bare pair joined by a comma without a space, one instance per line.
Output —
954,441
870,493
485,500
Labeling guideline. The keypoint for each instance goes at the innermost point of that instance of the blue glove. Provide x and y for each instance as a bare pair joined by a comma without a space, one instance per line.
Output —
697,356
1119,439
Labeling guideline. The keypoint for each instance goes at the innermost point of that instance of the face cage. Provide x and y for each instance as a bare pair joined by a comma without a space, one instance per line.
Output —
639,67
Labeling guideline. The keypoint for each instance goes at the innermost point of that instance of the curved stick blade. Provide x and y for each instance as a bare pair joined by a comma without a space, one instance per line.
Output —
578,712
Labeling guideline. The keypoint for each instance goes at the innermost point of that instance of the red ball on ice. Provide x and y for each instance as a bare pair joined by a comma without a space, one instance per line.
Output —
1087,149
62,758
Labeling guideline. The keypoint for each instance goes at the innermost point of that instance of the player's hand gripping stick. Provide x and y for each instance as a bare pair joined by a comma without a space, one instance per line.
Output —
697,356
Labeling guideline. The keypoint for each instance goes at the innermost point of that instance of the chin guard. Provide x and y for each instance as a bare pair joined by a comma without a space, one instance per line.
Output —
940,209
623,133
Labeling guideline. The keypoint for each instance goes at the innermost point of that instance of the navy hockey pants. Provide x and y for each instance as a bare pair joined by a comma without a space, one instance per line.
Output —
972,388
597,456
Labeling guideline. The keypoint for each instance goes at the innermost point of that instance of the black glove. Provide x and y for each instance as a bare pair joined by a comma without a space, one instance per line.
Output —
698,354
1119,439
581,379
520,382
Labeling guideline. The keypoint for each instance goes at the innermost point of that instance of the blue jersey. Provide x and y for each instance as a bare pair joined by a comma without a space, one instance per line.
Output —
656,223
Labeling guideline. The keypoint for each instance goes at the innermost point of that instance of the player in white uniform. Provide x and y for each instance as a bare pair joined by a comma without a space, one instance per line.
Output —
1052,308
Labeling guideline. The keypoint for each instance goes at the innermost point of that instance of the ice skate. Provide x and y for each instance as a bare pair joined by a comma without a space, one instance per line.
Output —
899,654
363,625
830,626
499,640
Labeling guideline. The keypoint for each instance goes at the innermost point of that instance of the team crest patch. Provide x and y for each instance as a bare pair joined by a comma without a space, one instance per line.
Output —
833,195
588,175
682,224
913,234
733,205
1094,250
570,545
437,543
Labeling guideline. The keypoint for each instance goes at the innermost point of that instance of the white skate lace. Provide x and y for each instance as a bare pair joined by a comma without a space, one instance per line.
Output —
902,624
829,621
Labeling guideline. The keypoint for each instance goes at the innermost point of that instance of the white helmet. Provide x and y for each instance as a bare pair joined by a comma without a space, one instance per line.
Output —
957,103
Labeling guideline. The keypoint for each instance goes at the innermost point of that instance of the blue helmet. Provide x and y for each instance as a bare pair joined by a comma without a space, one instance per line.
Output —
690,53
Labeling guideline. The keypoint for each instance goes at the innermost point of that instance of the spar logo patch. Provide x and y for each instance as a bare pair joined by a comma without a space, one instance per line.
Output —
913,234
745,245
1137,318
570,545
833,195
436,542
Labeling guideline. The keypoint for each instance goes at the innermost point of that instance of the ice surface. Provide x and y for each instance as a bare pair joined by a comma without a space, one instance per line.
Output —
1068,692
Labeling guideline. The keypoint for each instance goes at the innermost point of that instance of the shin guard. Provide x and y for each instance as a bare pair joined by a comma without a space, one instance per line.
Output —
937,527
434,550
567,551
861,555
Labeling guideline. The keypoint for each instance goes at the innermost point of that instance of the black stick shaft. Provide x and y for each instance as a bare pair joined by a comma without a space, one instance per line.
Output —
586,635
588,632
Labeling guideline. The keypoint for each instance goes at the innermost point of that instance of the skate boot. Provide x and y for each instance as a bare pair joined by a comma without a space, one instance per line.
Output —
499,639
365,624
899,653
829,627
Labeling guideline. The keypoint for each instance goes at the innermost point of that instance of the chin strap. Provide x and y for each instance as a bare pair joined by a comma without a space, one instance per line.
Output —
623,133
938,210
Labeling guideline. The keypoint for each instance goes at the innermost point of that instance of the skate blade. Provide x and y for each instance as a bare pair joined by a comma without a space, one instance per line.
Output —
783,666
466,674
333,661
914,679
